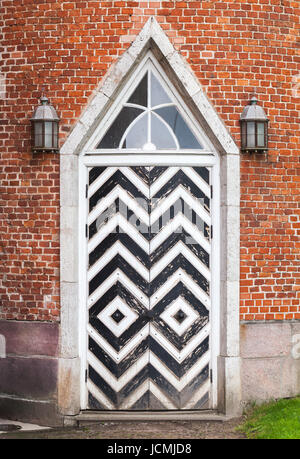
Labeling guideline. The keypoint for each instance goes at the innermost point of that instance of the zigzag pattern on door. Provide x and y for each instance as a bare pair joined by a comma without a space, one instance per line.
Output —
148,281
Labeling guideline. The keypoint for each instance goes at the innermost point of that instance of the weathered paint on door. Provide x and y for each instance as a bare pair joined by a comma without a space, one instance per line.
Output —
149,244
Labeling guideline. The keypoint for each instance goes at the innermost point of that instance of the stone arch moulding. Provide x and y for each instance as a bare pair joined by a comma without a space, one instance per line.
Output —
153,38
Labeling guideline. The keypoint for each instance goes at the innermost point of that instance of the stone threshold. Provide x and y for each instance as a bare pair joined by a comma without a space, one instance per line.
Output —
116,416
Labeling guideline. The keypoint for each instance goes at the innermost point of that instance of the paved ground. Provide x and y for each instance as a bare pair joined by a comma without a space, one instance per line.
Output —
140,430
24,426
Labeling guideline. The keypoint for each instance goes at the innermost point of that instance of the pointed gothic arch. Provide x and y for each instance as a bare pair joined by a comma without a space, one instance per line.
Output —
215,138
149,118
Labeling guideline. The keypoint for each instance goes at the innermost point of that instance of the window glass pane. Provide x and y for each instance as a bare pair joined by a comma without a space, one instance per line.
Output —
158,94
160,135
140,95
260,134
185,137
137,135
48,134
250,134
114,134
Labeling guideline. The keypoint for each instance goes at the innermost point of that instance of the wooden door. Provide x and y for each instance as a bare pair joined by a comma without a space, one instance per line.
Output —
149,243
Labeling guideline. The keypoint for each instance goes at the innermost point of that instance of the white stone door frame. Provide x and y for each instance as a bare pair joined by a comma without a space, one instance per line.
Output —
70,379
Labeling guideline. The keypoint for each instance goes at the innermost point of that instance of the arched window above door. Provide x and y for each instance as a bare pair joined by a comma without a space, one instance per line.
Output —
150,119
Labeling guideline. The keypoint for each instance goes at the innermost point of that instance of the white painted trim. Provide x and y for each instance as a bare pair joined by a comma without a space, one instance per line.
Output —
215,311
148,160
82,279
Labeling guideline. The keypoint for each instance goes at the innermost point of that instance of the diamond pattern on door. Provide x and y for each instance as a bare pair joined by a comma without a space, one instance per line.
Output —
148,282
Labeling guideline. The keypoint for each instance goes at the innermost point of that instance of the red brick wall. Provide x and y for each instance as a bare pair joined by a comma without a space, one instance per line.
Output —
235,49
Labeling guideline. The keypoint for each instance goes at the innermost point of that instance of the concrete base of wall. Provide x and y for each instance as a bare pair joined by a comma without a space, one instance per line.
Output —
29,372
44,413
270,355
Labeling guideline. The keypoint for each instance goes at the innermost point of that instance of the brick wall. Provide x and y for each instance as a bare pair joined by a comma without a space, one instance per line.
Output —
235,49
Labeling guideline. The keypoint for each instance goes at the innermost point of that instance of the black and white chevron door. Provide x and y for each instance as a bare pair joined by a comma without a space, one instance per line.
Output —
149,231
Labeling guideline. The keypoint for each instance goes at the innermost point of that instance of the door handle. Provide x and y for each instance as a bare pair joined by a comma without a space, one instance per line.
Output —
180,315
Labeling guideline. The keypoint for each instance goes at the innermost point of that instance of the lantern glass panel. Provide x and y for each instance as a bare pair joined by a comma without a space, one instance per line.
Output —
38,134
250,134
244,139
48,134
260,134
55,135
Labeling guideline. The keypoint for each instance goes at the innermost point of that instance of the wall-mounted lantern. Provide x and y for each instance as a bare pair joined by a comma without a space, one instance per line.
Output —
254,128
44,124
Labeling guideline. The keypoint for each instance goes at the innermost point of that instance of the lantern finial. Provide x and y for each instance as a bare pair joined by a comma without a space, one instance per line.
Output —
44,100
253,100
